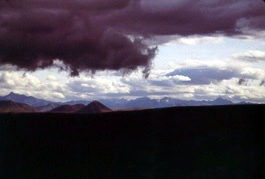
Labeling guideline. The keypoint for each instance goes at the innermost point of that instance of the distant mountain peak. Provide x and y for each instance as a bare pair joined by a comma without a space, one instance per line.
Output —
12,94
221,100
95,102
165,98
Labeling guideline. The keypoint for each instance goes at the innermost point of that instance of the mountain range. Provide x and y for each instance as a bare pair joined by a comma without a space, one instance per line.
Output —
145,102
92,108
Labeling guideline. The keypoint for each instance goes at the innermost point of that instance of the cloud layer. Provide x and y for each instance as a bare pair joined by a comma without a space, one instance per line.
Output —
208,75
91,35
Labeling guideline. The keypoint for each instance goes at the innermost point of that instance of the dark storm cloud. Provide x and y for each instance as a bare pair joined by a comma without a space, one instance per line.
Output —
189,17
91,35
35,33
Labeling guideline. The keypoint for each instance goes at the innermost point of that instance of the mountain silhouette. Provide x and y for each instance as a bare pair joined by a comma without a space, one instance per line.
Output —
95,107
11,106
221,101
145,102
68,108
19,98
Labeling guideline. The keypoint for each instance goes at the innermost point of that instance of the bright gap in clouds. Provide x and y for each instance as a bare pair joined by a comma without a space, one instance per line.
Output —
169,54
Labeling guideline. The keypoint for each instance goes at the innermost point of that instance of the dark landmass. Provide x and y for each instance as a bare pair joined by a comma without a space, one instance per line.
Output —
182,142
68,108
129,109
10,106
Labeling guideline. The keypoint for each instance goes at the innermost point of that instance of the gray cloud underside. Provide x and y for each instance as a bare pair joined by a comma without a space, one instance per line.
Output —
205,76
95,35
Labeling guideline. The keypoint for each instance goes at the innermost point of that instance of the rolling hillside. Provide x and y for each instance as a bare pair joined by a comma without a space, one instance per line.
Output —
10,106
67,108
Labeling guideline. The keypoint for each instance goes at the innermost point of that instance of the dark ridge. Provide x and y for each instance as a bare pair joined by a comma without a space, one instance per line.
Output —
11,106
68,108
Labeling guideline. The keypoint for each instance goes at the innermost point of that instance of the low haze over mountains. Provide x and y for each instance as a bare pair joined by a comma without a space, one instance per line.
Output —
48,107
145,102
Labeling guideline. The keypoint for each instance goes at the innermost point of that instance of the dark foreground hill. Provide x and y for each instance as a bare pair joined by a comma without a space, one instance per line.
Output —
186,142
95,107
10,106
68,108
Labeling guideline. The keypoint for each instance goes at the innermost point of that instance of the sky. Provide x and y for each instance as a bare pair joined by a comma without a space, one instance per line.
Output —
63,50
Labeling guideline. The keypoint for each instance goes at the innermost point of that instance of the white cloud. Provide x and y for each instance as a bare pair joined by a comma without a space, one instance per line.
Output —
175,78
57,95
30,85
97,86
198,40
253,73
251,56
190,40
248,93
51,78
194,63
